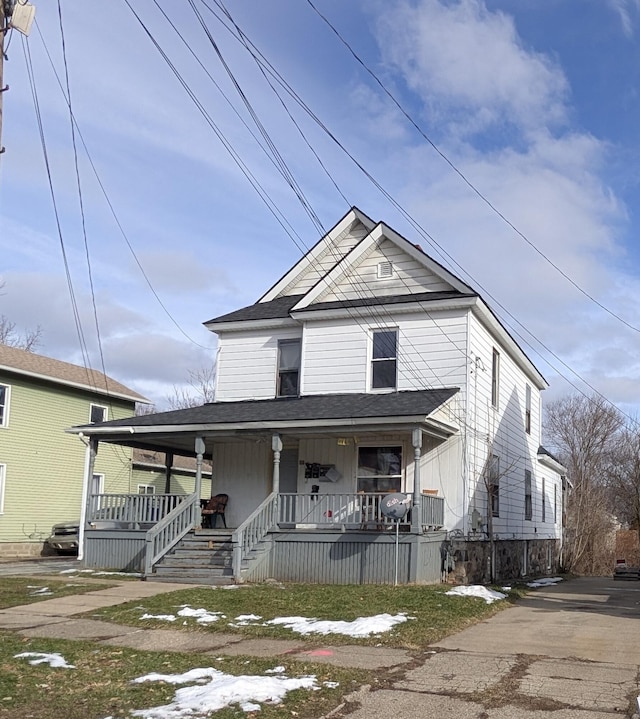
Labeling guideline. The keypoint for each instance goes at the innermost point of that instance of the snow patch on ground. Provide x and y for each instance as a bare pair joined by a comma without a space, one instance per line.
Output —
214,690
476,590
361,627
57,661
544,582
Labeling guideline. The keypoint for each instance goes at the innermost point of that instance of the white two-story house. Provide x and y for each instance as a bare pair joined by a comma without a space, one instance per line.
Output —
368,369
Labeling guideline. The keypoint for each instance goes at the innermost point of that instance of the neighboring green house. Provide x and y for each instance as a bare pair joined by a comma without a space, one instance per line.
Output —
150,474
41,466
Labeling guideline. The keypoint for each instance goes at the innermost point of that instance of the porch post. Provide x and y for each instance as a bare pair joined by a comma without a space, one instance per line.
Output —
416,440
89,465
168,466
276,446
199,448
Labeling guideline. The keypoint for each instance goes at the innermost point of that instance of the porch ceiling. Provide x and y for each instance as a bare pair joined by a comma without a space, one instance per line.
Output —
292,416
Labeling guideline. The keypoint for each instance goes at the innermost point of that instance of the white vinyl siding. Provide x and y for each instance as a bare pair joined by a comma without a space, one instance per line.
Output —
5,395
431,353
363,280
326,261
247,366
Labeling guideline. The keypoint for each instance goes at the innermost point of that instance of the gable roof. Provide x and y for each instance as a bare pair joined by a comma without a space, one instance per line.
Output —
28,364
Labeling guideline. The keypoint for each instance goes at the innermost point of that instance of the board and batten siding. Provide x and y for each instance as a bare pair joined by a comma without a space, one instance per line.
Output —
409,276
500,431
45,465
431,351
247,363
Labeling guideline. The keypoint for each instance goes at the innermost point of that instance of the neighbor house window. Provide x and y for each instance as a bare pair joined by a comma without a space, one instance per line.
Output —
288,368
97,413
544,503
384,359
146,489
528,503
3,474
5,391
97,484
527,410
379,469
494,485
555,504
495,379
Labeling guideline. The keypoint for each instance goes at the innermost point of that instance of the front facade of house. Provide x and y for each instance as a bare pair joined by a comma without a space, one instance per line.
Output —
41,466
369,369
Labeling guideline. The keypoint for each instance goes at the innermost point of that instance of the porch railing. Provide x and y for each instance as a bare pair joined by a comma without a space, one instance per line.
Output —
432,512
254,528
352,511
132,508
170,530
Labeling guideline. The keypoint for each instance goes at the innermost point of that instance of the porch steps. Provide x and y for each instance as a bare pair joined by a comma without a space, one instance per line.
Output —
202,557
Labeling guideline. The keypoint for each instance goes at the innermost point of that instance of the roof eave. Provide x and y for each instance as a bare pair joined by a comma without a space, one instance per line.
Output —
236,326
374,309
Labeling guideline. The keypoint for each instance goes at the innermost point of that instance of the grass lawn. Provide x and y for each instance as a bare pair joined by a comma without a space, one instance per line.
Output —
100,685
435,614
15,591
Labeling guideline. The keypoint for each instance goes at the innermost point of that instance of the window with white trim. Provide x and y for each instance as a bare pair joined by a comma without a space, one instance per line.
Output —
527,410
5,392
544,502
379,469
495,379
97,413
146,489
288,368
528,502
97,484
3,474
493,485
384,359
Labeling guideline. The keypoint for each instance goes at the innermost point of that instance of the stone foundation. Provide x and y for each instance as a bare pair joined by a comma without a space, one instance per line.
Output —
469,561
22,550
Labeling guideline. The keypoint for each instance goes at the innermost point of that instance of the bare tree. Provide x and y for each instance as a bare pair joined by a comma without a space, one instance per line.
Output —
585,431
202,384
9,336
624,477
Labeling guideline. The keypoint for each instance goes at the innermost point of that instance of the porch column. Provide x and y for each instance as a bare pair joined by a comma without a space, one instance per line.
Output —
416,441
199,448
276,446
168,466
89,465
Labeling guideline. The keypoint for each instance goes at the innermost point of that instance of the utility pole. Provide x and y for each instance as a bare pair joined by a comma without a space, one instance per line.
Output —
14,16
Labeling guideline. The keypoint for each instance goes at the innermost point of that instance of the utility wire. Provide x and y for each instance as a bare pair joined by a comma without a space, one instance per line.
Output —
464,178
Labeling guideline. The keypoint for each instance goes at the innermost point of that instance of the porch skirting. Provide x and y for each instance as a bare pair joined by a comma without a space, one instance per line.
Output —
119,550
355,557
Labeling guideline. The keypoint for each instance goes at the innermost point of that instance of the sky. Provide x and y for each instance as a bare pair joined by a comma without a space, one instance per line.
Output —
523,177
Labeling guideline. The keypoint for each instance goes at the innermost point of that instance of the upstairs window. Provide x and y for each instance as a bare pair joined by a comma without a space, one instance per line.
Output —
527,410
288,368
494,485
528,503
4,404
97,413
495,379
384,359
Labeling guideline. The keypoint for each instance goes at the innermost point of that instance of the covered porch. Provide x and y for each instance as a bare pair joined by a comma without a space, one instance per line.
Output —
287,475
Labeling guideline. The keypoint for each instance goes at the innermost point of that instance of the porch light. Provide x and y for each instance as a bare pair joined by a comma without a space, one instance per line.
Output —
343,441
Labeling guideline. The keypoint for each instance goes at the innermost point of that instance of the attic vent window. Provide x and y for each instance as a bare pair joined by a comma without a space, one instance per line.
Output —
385,269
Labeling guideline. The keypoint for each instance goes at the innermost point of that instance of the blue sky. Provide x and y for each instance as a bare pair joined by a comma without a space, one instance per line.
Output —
536,103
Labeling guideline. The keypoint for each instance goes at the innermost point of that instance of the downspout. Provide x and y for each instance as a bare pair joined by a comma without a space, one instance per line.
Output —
89,463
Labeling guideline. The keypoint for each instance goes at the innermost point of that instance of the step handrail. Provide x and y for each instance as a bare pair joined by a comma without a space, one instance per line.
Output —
169,531
254,528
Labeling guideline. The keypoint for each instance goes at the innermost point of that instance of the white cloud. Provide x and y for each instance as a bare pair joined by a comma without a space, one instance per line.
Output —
626,10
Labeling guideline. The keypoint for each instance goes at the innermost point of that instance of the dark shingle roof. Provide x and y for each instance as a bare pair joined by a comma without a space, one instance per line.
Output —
280,308
311,407
19,361
543,450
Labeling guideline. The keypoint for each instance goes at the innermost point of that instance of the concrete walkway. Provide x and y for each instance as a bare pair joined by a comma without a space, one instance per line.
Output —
571,651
